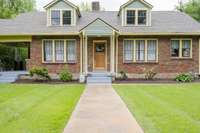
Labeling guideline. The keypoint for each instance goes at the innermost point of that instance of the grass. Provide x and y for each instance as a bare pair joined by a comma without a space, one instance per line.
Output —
36,108
164,108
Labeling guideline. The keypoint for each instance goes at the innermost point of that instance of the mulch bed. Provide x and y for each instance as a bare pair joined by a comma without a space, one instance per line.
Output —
31,81
144,81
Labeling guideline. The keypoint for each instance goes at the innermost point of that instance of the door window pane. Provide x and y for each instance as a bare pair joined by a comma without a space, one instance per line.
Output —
48,53
130,17
66,17
71,50
186,46
59,50
140,50
142,17
128,50
55,17
175,45
151,50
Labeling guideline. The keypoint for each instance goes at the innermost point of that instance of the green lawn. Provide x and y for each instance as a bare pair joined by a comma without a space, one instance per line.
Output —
164,108
36,108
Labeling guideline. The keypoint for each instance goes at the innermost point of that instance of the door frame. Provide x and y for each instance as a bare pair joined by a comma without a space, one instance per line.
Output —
100,41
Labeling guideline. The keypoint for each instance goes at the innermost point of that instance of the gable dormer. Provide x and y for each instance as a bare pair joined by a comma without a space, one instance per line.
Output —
135,13
62,13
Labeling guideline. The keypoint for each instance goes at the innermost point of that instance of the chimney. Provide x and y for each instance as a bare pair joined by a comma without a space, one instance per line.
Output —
95,6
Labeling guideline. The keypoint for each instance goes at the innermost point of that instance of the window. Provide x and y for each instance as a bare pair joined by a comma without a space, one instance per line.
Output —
186,48
128,50
55,17
59,50
71,50
151,50
131,17
48,50
140,50
66,17
142,17
181,48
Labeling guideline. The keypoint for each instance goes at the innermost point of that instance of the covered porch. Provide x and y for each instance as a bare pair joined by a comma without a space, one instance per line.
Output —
98,48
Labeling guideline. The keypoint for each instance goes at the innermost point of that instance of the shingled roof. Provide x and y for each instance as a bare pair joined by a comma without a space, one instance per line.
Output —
166,22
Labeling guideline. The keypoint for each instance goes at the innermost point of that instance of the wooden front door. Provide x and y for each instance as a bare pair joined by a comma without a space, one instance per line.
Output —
99,55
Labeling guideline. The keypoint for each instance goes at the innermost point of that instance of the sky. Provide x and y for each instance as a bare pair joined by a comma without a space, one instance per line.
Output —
113,5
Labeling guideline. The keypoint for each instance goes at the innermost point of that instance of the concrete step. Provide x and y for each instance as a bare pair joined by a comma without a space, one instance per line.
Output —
98,75
98,79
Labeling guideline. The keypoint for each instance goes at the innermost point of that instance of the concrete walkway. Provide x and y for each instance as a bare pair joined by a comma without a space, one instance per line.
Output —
101,110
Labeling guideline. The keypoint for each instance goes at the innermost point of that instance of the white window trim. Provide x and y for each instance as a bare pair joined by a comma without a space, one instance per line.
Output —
136,17
180,48
61,17
134,50
65,51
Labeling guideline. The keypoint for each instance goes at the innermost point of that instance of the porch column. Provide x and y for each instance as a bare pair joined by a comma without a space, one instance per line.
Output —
112,53
116,54
81,54
86,55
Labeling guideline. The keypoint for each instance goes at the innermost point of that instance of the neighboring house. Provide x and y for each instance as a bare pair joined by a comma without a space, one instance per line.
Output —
133,39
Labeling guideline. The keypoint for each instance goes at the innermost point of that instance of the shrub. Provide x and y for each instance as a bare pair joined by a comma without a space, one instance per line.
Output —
185,77
40,74
150,74
123,75
65,75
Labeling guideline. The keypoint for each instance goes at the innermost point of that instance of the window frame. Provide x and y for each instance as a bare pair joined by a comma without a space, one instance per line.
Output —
181,48
66,48
136,16
68,17
73,17
146,51
54,52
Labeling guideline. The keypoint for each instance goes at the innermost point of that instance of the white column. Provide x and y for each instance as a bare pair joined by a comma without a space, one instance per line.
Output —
86,55
112,53
116,69
81,54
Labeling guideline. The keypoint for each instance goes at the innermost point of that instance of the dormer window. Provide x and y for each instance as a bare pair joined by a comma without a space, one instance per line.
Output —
55,17
136,17
131,17
61,17
67,17
142,17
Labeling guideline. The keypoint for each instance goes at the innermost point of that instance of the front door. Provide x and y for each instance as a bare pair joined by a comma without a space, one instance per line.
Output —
99,55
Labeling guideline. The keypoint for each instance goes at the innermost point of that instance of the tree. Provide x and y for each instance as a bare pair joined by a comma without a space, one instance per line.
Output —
11,8
192,8
85,6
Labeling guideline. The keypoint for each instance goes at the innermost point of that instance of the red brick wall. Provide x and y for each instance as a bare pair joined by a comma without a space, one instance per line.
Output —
166,64
36,55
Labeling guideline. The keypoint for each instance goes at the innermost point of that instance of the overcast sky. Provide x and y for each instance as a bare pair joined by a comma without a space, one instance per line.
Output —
113,5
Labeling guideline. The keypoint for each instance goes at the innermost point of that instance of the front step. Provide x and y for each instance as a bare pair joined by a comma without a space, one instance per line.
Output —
99,78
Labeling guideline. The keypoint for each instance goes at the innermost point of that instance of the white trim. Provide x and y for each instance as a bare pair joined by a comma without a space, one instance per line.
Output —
199,55
117,43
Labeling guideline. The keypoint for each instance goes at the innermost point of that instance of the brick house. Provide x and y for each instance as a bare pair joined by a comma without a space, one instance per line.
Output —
133,39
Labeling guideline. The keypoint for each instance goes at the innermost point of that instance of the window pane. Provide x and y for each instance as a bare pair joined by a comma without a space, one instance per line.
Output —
151,50
48,47
59,50
175,44
71,50
130,17
66,17
128,50
55,17
186,46
140,50
142,17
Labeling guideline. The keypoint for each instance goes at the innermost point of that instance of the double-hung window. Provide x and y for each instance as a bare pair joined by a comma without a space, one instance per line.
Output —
181,48
71,50
140,50
130,18
55,17
48,50
142,17
66,17
59,50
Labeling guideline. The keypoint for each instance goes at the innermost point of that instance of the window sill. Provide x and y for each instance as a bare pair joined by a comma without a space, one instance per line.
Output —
74,62
141,62
182,58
